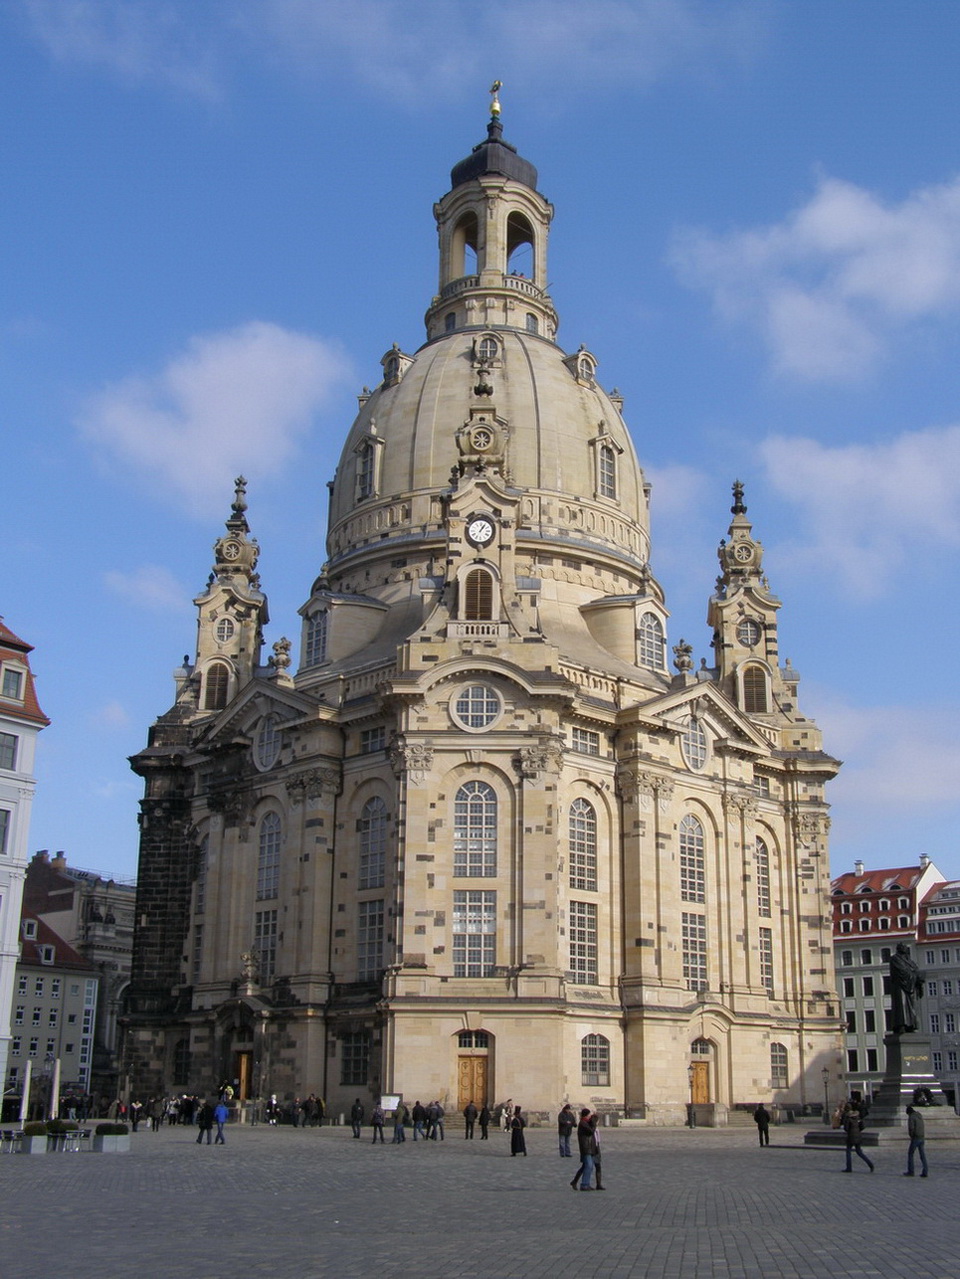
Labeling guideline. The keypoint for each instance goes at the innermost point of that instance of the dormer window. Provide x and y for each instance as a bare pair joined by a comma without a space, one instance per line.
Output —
650,642
13,684
605,465
315,639
586,369
369,454
47,954
29,929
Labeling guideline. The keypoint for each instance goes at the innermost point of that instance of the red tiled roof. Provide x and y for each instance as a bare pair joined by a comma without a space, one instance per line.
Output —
64,955
12,646
877,881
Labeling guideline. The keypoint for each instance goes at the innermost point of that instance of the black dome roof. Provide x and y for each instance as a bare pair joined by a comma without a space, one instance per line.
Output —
494,156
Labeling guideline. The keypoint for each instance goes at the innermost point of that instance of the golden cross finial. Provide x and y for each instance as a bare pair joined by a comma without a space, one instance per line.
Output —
495,103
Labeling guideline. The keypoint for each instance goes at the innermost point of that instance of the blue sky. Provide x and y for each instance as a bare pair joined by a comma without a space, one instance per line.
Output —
218,216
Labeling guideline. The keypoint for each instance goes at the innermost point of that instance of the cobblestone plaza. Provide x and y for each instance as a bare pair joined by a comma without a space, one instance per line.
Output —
285,1202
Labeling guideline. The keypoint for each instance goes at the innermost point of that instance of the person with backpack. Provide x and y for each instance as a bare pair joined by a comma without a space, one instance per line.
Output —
853,1127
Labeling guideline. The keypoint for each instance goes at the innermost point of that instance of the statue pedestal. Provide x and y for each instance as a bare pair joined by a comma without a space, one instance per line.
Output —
909,1069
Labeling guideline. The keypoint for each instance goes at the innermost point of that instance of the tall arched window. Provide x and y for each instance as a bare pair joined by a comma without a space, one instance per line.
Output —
607,464
365,467
315,640
755,691
372,828
478,596
268,862
692,860
216,683
475,830
650,642
583,846
763,878
779,1076
595,1061
200,883
693,743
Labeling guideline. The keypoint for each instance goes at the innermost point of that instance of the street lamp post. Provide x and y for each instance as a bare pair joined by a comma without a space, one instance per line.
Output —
825,1076
691,1113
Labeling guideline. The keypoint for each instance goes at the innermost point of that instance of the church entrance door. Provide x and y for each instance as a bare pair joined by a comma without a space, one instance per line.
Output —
471,1080
700,1083
242,1062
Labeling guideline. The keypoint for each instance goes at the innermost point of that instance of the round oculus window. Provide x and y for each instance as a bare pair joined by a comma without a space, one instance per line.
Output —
748,632
225,629
477,706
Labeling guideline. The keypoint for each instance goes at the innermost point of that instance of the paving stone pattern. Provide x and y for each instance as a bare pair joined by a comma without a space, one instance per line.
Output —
313,1204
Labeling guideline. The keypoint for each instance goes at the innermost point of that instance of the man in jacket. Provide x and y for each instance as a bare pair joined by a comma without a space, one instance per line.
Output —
220,1114
470,1113
761,1117
916,1130
356,1117
587,1142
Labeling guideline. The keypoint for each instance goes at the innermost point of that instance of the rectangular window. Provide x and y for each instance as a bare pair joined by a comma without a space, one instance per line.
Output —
373,739
369,940
52,1017
868,985
474,932
846,958
36,1016
866,956
937,1062
585,741
887,1020
18,1018
265,943
949,1024
355,1057
38,986
947,987
931,957
197,951
12,684
871,1059
21,985
595,1062
952,1061
766,959
931,987
848,987
34,1045
886,984
4,828
944,956
51,1045
934,1023
853,1060
583,943
694,937
851,1022
8,751
869,1021
54,987
16,1045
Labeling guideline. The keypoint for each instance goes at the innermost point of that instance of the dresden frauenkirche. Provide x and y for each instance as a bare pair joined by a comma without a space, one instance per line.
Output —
469,838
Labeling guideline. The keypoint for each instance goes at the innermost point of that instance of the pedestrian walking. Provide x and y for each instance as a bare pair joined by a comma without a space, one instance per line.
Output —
853,1127
518,1142
376,1119
484,1122
419,1119
399,1119
916,1130
221,1115
587,1143
566,1122
205,1122
761,1117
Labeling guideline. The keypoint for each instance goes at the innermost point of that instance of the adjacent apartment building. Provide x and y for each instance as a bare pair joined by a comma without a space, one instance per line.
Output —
21,719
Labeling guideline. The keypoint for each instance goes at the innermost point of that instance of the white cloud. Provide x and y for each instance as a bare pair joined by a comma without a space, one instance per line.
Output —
826,287
896,758
112,715
232,402
405,52
152,42
863,509
151,587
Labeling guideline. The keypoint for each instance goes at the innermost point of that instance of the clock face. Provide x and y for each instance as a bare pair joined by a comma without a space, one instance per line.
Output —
743,553
230,550
480,530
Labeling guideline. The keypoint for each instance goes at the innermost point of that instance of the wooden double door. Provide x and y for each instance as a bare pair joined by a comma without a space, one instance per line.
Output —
471,1079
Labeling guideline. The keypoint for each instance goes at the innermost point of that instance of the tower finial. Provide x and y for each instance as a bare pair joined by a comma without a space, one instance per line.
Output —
239,496
495,101
738,507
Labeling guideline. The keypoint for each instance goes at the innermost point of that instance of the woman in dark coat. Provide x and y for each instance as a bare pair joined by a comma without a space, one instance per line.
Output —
518,1144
